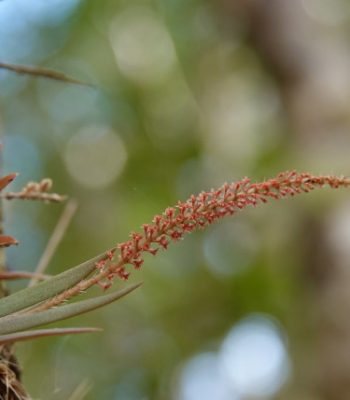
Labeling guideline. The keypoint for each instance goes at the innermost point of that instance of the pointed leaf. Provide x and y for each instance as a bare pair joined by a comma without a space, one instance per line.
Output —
6,180
49,288
15,323
36,334
6,241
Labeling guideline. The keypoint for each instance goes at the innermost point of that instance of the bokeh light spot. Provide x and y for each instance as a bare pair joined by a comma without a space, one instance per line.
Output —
201,380
338,233
142,46
254,357
229,248
328,12
95,157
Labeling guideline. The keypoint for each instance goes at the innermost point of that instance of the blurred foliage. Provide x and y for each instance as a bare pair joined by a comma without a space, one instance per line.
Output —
185,95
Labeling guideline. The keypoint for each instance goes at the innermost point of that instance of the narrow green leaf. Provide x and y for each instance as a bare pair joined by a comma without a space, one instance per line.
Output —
36,334
15,323
41,73
49,288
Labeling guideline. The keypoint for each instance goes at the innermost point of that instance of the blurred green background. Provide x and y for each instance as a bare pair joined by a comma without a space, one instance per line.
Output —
186,95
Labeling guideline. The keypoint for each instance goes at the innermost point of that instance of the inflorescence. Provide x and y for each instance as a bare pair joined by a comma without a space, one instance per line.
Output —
207,207
196,212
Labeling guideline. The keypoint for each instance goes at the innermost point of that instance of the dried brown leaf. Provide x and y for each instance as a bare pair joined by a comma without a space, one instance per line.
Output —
41,73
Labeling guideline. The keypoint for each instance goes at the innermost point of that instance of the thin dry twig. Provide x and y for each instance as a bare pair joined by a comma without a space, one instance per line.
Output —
41,73
22,275
55,239
46,197
36,191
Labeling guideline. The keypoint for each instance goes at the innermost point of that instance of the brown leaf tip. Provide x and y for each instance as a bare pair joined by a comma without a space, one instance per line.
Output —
6,241
6,180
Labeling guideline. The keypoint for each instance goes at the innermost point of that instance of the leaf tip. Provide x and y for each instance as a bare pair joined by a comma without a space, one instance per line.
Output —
7,179
6,241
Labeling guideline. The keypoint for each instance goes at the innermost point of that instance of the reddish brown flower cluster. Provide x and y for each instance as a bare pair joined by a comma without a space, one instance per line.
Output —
207,207
197,212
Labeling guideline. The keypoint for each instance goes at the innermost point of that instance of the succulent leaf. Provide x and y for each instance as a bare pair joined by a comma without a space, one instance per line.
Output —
49,288
15,323
39,333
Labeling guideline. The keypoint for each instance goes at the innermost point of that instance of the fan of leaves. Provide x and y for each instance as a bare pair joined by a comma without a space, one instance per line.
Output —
16,315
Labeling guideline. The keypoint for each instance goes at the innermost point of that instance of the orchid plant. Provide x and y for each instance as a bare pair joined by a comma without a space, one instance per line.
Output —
46,301
43,303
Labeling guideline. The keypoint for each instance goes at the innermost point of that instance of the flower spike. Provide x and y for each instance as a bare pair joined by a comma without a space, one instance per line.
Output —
196,213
